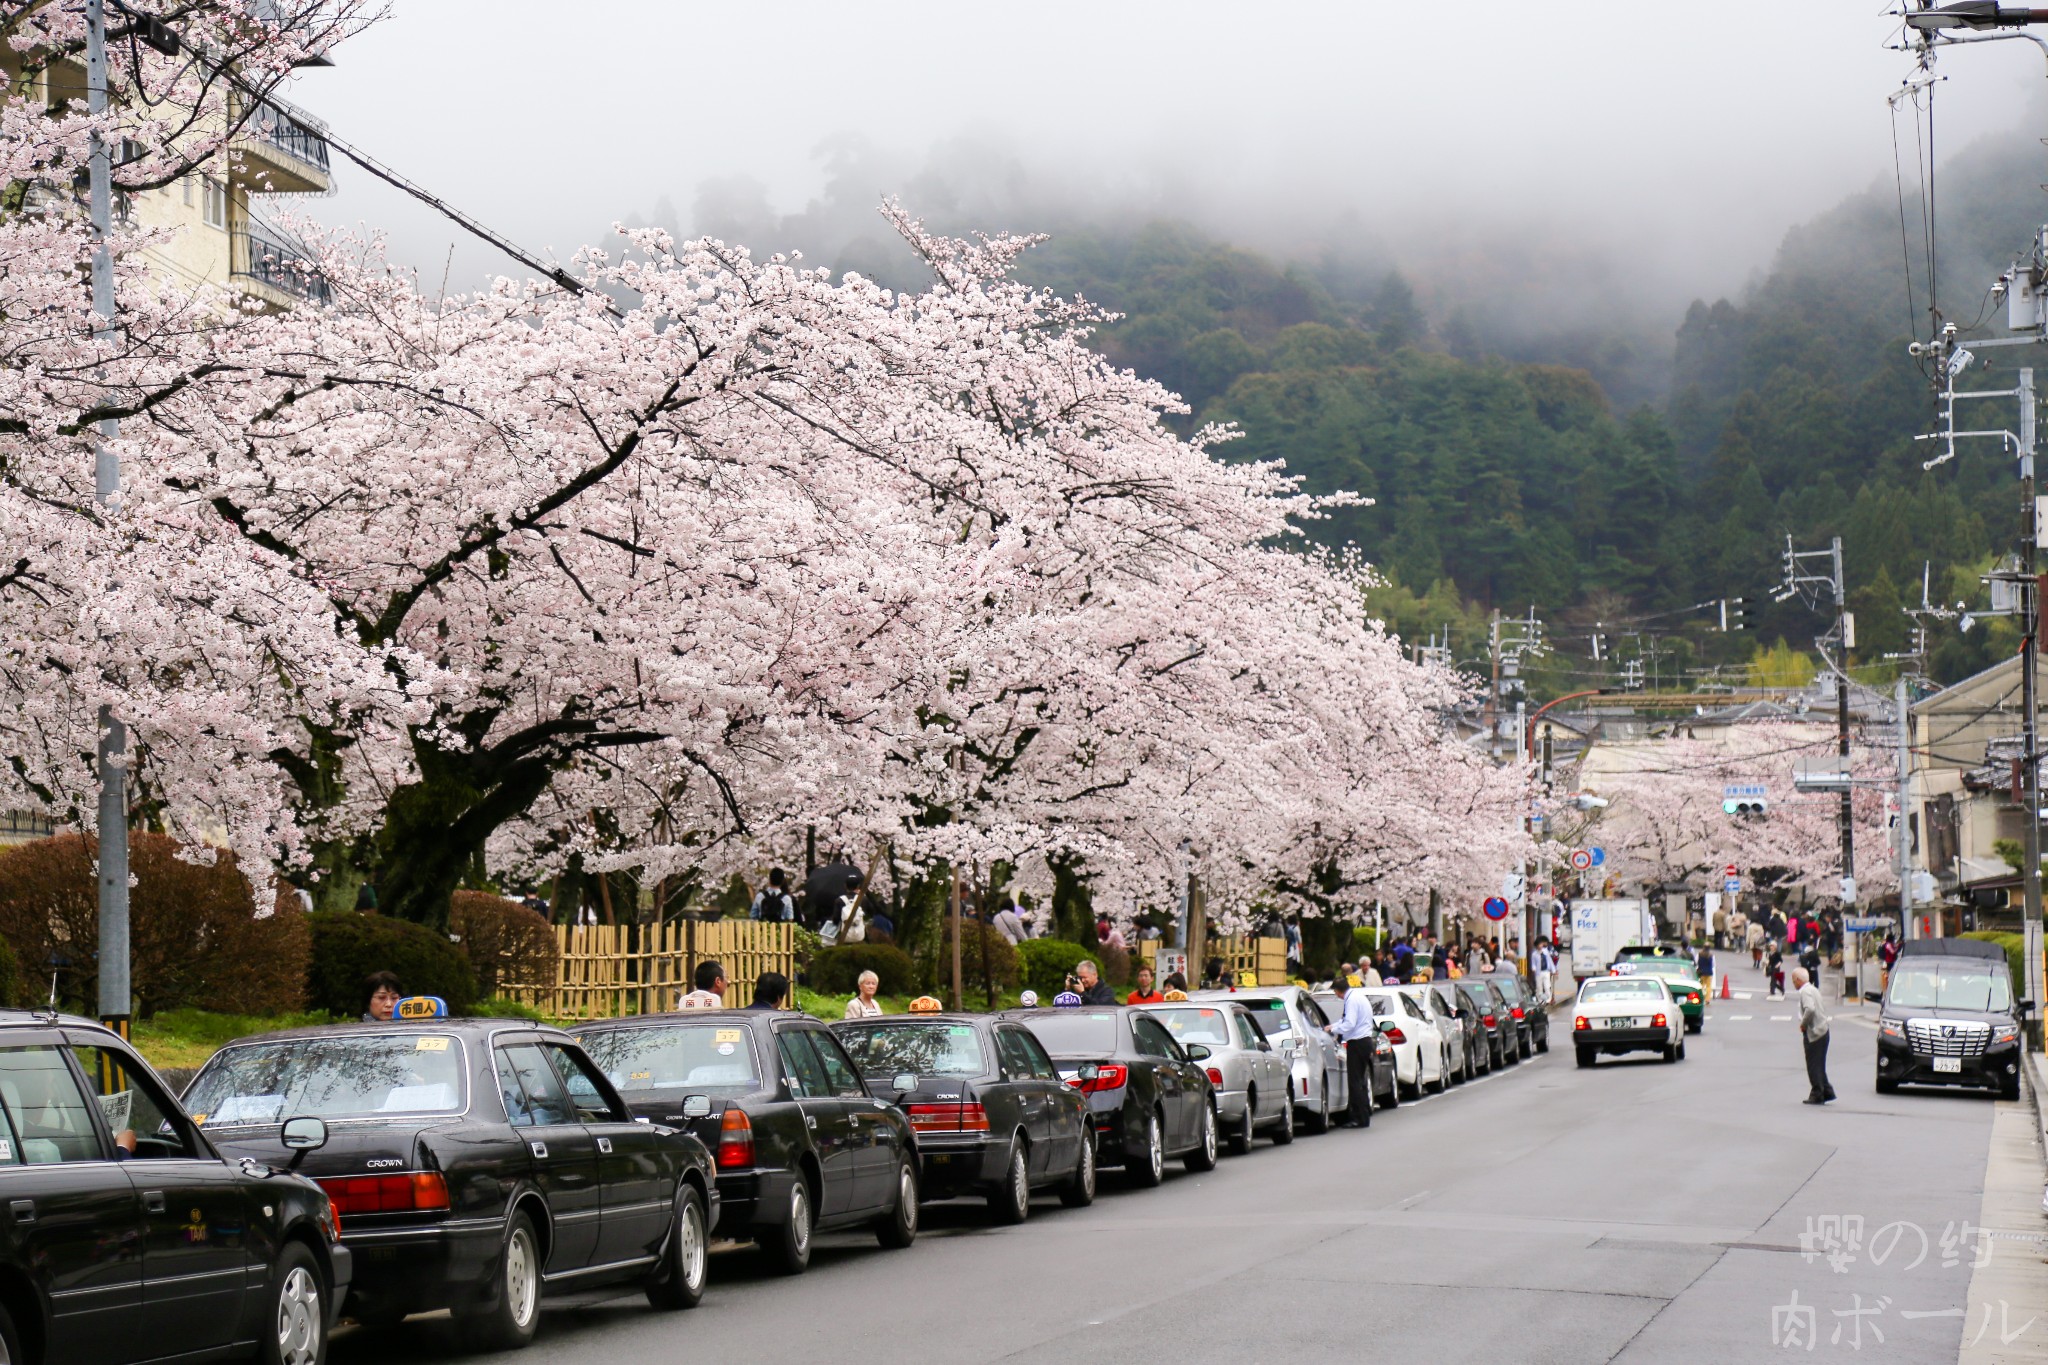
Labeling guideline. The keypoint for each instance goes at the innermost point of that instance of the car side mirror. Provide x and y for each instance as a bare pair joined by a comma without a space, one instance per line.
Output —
696,1106
903,1082
1089,1071
302,1135
1197,1053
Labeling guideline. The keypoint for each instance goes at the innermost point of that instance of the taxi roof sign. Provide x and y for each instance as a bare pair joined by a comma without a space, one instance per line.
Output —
421,1007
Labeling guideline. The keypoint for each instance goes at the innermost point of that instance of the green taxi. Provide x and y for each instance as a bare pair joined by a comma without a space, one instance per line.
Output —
1676,972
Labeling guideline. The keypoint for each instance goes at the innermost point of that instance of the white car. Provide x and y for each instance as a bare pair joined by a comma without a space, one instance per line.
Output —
1297,1026
1419,1062
1449,1031
1617,1014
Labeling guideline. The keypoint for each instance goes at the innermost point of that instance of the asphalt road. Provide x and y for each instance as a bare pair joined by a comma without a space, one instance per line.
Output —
1637,1212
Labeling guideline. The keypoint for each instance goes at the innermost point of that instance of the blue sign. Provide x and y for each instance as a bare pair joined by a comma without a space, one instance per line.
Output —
1495,908
1599,857
1739,790
1732,886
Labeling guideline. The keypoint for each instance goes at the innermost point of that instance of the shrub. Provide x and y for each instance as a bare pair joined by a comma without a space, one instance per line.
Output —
193,935
1047,963
348,946
979,944
2015,946
509,946
1364,943
836,971
1115,964
506,1009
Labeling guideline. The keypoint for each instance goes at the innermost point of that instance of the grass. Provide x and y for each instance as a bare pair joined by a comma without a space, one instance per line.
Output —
186,1038
833,1007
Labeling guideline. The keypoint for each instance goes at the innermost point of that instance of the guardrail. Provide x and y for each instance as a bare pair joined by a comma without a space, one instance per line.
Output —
257,256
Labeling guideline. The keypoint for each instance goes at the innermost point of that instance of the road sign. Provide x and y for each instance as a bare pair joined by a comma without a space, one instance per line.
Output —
1732,886
1581,860
1863,924
1599,857
1495,907
1738,790
1729,871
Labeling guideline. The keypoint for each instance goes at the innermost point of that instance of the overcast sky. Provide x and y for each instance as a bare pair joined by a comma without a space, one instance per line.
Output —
1696,132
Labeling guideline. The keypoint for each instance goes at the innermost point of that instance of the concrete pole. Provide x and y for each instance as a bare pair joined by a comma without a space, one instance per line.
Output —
2030,759
1904,827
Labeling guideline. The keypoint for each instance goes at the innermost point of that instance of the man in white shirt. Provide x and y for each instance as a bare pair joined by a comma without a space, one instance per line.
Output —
710,993
1357,1029
1813,1028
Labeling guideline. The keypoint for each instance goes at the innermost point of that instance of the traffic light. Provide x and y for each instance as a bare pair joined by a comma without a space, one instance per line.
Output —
1747,807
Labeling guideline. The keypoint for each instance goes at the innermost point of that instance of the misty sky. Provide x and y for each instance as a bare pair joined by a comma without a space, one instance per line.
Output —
1684,137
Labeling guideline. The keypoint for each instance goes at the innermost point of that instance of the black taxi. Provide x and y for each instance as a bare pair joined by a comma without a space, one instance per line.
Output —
803,1145
474,1164
128,1237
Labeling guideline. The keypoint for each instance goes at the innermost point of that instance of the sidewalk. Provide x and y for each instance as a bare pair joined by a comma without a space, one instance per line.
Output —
2006,1319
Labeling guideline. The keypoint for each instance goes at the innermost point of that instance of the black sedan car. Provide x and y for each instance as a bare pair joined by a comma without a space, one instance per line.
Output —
802,1145
475,1165
1503,1034
1949,1018
130,1238
1383,1069
1478,1054
1149,1097
1532,1019
991,1113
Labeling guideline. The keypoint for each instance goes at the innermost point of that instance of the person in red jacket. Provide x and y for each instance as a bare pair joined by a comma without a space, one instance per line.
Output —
1147,993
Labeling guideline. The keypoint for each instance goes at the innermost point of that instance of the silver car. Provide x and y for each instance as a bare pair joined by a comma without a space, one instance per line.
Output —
1296,1025
1450,1029
1249,1077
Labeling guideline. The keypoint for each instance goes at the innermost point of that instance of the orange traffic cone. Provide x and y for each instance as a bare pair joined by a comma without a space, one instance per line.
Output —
1724,987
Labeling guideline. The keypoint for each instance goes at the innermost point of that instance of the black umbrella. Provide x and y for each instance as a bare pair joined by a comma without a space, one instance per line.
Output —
824,888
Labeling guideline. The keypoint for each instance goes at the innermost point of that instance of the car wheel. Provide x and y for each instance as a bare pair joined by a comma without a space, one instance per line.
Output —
10,1341
1241,1136
1010,1202
1407,1090
898,1227
1693,1025
1203,1157
678,1280
296,1331
1586,1056
514,1314
1150,1167
1681,1049
1319,1120
1079,1192
1393,1100
2009,1088
1543,1043
1670,1052
789,1251
1283,1132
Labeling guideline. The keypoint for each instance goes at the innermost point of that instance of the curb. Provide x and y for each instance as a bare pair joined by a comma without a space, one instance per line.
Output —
2035,1071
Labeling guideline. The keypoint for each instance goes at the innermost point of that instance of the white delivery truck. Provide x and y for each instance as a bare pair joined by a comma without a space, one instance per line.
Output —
1602,928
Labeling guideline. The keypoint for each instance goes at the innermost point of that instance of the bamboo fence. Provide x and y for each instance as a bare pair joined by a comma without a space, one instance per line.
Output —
611,970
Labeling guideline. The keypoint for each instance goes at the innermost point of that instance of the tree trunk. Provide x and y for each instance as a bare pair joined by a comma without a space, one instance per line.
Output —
435,828
1073,911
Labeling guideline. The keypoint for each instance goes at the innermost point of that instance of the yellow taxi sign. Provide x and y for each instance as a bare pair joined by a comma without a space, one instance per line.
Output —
422,1007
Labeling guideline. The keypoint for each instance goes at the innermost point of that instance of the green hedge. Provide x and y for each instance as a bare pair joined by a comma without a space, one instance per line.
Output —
348,946
1047,962
2015,946
836,971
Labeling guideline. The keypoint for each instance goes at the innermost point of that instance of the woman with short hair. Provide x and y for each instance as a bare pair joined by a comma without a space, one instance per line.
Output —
864,1005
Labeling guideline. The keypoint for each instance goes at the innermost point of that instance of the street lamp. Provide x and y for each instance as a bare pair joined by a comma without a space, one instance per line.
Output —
1975,14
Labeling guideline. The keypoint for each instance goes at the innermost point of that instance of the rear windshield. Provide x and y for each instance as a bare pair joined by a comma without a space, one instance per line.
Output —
1270,1016
1957,984
1620,988
884,1050
1509,987
1208,1027
1672,967
675,1058
1477,990
1074,1033
333,1077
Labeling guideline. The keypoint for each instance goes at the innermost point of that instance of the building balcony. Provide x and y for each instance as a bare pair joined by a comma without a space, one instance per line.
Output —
277,152
274,271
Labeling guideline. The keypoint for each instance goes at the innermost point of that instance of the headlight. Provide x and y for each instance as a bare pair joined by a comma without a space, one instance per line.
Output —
1891,1029
2005,1033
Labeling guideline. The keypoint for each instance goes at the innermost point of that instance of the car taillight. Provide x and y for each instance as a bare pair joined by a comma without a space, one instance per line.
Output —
1108,1076
735,1140
415,1192
948,1118
1657,1022
1516,1011
1215,1075
1487,1020
1394,1035
1581,1022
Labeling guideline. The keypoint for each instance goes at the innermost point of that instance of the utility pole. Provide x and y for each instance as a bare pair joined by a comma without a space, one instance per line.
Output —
2030,751
113,749
1493,692
1797,580
1903,827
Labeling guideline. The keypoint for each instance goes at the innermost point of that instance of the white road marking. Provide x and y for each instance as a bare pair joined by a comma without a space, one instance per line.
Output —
1742,995
1740,1018
1781,1018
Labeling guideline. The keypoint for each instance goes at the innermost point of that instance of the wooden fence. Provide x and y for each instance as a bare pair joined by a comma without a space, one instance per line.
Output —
608,970
1265,958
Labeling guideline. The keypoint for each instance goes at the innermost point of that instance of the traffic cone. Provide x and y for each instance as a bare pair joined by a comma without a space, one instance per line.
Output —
1724,987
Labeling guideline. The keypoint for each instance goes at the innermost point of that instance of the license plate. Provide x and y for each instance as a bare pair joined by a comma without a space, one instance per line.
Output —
1948,1064
1621,1023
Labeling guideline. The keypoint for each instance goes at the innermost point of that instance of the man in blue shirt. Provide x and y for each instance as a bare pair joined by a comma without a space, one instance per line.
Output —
1404,960
1357,1030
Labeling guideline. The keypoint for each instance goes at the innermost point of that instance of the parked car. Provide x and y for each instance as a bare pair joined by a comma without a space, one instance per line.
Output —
1251,1081
1450,1030
1532,1019
1478,1059
1679,974
131,1237
1503,1042
475,1165
1386,1082
1948,1018
1418,1050
802,1145
1296,1025
991,1114
1618,1014
1150,1097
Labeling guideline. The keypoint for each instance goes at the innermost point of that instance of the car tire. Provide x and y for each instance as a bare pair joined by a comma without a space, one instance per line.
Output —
1009,1203
1203,1157
1150,1166
789,1250
1407,1091
678,1281
897,1228
1283,1131
1670,1052
1586,1056
1241,1136
1394,1092
1319,1118
514,1313
2009,1089
1079,1191
294,1333
1543,1043
1694,1025
10,1339
1681,1049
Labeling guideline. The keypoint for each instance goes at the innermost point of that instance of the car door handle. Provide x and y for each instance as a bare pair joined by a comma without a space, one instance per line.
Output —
810,1120
24,1210
539,1149
153,1201
604,1145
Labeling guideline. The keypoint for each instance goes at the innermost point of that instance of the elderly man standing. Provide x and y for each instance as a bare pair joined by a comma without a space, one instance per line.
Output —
1356,1028
1813,1028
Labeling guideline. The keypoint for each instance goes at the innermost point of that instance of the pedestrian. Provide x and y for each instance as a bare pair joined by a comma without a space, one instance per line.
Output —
770,990
1440,959
1147,993
1887,953
1813,1029
1368,974
1404,959
864,1005
1294,962
709,980
1545,964
1176,981
773,901
1472,957
380,997
1010,925
1093,989
1756,945
1355,1028
853,925
1776,968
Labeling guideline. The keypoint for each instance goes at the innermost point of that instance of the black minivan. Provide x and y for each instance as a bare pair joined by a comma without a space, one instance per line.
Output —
1949,1018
